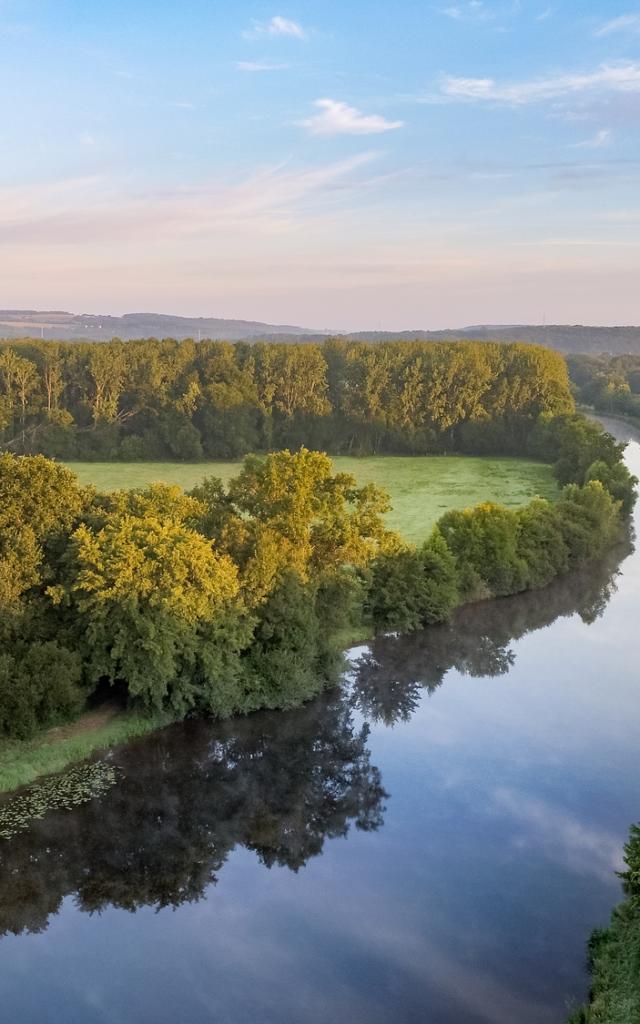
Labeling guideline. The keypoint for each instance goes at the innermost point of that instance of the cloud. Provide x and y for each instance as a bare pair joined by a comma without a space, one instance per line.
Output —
597,141
260,65
479,12
475,10
624,78
560,835
277,26
336,118
67,213
544,15
625,23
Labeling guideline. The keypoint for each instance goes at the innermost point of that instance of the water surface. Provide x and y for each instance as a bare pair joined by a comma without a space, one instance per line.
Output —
431,843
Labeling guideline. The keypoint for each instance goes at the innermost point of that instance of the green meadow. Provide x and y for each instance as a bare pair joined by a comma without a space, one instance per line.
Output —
422,488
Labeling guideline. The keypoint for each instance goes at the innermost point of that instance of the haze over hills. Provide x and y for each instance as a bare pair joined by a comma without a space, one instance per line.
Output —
16,323
65,326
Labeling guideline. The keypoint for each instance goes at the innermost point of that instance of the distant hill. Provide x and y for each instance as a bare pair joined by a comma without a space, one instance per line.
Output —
562,337
16,323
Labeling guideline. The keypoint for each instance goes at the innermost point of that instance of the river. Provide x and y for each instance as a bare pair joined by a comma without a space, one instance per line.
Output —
431,843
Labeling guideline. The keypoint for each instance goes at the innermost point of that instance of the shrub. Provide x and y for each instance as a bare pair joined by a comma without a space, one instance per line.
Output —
484,542
413,587
39,685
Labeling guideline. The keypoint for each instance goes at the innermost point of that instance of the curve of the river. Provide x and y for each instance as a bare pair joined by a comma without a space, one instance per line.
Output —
432,843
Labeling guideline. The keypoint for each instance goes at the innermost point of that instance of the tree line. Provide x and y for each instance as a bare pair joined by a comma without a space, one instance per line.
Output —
188,400
610,384
225,600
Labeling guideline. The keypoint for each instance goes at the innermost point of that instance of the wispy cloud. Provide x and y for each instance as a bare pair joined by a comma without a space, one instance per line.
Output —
623,78
624,23
69,212
560,835
598,141
336,118
474,10
260,65
276,26
545,15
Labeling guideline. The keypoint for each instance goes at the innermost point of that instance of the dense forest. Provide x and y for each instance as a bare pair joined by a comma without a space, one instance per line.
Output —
215,400
223,601
610,384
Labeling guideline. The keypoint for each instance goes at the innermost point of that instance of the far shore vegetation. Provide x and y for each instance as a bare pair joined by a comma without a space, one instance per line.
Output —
241,592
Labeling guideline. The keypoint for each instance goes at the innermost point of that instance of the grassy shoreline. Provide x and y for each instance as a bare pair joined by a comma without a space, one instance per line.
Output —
24,761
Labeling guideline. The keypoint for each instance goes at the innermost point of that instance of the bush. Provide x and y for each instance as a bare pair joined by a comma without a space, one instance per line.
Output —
484,542
288,661
617,480
588,519
413,587
541,545
572,444
39,686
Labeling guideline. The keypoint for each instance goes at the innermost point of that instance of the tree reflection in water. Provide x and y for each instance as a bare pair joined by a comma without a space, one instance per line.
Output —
388,680
277,783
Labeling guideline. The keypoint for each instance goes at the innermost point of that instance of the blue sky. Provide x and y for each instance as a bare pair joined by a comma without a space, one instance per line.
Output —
344,165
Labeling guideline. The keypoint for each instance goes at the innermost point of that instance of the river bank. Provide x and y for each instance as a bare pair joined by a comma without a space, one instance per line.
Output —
440,834
25,761
482,552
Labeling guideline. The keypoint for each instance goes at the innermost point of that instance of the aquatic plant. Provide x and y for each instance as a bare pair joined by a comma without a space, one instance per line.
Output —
58,792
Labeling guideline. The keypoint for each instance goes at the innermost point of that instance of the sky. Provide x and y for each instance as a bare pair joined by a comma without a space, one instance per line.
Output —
337,165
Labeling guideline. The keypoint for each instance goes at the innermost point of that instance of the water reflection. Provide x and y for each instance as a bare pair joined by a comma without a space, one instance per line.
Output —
276,784
388,679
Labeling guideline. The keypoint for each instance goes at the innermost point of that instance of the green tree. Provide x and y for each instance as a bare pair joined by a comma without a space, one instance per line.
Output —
141,586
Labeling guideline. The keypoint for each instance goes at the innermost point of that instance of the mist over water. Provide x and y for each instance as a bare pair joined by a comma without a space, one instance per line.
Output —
433,842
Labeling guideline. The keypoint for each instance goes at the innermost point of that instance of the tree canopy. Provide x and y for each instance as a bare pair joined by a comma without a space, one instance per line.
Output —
152,399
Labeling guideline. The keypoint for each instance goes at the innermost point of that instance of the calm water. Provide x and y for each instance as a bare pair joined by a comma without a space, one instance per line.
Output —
433,843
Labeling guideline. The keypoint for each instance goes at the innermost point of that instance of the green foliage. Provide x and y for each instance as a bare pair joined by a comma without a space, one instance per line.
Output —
289,660
39,504
614,954
414,587
589,521
610,384
39,685
617,480
139,588
233,598
631,877
319,520
157,399
541,544
484,542
573,444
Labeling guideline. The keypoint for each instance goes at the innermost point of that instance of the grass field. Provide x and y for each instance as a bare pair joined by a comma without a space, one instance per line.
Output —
421,488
